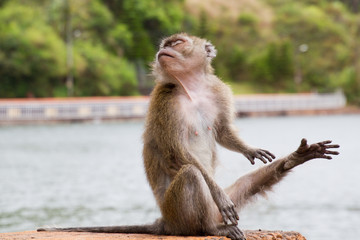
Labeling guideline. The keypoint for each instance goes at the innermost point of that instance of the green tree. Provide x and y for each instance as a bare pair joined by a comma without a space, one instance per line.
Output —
324,35
275,66
100,73
111,42
32,49
32,60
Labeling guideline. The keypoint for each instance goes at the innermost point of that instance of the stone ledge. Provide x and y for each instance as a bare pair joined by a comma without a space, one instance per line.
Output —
250,235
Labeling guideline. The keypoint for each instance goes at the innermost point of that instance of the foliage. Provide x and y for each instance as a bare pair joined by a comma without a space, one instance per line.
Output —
264,46
275,66
306,48
101,73
34,41
31,56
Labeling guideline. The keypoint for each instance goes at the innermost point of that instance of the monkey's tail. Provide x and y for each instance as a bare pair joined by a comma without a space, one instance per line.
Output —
155,228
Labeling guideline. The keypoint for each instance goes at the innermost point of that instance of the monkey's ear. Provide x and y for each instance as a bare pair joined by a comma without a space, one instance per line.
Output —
210,50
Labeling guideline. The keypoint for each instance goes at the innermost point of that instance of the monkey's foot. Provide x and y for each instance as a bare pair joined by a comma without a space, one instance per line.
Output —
232,232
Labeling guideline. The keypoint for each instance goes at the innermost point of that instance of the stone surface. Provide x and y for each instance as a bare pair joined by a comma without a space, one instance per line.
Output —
250,235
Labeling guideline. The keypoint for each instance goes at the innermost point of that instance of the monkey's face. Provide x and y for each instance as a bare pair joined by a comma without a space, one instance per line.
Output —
180,54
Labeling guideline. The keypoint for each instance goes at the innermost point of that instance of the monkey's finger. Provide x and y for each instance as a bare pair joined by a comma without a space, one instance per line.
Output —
235,234
232,215
239,234
233,220
269,154
303,146
259,156
225,217
332,146
324,157
303,142
251,159
232,235
325,142
332,152
235,215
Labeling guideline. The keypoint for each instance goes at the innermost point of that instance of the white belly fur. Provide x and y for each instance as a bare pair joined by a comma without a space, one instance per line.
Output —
201,146
199,116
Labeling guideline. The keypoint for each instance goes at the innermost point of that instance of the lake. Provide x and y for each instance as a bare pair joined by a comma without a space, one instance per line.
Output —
91,174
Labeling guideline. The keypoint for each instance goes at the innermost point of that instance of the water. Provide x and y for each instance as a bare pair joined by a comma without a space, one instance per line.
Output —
91,174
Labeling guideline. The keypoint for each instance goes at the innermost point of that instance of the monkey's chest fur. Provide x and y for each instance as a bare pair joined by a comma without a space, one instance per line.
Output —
198,116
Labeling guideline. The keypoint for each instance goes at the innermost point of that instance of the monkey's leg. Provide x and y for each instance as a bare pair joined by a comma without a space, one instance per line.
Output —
264,178
188,206
189,209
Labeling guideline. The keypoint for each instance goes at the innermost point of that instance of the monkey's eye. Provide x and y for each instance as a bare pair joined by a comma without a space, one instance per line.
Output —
176,42
172,43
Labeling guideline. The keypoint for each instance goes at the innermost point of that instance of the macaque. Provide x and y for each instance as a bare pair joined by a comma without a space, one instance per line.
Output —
190,111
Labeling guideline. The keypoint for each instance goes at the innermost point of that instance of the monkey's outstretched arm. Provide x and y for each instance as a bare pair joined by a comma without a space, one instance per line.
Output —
227,137
263,179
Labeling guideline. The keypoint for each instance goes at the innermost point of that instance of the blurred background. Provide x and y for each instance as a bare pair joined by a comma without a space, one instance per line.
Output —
90,173
57,48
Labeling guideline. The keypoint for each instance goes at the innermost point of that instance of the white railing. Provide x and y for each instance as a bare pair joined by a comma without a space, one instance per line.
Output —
72,109
289,102
18,110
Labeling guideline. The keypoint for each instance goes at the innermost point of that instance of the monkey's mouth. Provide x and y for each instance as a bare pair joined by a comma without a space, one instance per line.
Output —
164,53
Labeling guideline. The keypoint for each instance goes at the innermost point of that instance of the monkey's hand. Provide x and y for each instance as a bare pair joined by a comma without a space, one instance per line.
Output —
226,208
261,154
307,152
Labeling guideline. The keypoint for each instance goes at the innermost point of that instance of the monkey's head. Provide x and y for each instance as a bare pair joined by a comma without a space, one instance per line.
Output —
180,54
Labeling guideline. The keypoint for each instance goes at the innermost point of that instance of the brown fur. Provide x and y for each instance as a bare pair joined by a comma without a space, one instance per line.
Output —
190,110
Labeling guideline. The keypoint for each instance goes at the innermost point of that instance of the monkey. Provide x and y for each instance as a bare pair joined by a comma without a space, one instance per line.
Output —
190,111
